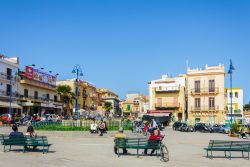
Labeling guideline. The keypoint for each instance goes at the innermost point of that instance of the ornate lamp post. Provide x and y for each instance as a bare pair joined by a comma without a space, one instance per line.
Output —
230,71
78,71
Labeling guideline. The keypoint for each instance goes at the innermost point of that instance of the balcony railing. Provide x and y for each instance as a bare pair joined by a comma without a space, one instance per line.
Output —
168,89
205,108
167,105
37,99
4,76
7,94
197,91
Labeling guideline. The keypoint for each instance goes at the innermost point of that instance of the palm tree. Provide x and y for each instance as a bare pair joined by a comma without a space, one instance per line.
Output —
66,95
107,107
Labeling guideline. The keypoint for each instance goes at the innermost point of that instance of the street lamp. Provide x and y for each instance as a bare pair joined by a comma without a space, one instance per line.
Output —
78,71
230,71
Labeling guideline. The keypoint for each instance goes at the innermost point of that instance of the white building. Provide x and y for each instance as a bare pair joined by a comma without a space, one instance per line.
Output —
9,76
237,101
167,96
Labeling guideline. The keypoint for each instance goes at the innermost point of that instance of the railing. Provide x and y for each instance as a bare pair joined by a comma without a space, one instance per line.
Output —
167,105
5,76
5,93
167,89
197,91
40,99
205,108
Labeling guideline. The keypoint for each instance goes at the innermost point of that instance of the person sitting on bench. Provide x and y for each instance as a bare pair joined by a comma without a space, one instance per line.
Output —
154,137
15,132
120,135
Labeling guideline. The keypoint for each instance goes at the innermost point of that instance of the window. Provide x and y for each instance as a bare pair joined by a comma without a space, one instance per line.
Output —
35,95
8,90
230,95
160,88
211,86
26,93
236,95
197,85
197,103
55,98
9,71
128,107
211,102
47,96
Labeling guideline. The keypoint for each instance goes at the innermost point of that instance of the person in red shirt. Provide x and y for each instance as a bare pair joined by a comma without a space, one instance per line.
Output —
154,137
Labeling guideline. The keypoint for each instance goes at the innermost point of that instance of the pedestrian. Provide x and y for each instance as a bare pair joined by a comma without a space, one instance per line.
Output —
102,127
31,133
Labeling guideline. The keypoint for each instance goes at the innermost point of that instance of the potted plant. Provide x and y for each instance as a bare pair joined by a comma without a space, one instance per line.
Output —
235,130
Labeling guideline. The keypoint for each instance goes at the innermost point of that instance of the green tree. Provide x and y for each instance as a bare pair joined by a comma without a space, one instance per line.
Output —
247,106
107,107
66,95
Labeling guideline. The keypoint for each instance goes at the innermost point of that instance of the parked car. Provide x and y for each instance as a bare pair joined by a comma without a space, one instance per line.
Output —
177,125
6,118
201,127
186,128
224,129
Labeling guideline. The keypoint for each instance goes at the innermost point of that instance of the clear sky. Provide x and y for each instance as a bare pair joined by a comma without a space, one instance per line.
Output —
122,45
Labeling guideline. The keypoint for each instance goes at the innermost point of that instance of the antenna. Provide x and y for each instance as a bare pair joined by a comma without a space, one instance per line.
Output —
187,64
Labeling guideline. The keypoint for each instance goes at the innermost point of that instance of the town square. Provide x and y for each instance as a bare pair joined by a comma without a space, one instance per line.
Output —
124,83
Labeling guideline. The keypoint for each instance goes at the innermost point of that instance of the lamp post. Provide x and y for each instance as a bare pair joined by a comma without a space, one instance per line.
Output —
230,72
78,71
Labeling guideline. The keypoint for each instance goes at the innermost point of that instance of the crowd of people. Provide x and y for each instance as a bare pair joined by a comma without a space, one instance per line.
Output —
147,127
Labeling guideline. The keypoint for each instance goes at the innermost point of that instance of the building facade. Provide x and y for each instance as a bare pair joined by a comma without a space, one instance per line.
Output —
133,105
167,95
9,84
107,95
237,105
88,98
206,95
38,97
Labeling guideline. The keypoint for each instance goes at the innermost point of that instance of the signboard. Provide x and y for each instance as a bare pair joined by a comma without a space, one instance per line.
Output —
40,76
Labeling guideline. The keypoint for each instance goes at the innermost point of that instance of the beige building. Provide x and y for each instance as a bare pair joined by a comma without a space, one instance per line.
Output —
206,95
167,96
133,105
37,97
107,95
88,98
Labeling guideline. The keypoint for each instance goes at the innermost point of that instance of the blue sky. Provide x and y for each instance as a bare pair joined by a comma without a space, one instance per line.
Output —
122,45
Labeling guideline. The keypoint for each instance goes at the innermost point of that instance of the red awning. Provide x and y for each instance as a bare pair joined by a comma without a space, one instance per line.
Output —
160,111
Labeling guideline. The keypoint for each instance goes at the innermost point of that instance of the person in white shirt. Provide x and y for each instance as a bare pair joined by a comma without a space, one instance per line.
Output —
93,127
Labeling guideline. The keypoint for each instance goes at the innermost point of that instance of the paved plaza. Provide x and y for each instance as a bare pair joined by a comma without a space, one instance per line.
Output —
73,149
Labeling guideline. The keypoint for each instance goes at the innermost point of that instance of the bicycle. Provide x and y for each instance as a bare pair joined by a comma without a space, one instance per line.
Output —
164,154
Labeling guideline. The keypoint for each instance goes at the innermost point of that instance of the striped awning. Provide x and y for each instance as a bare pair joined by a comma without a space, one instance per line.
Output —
7,105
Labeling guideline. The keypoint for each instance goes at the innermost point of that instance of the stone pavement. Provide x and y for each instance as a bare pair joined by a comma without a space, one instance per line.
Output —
78,149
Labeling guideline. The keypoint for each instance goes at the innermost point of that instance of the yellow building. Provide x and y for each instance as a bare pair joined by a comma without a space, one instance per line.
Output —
133,105
206,95
37,97
167,96
88,98
107,95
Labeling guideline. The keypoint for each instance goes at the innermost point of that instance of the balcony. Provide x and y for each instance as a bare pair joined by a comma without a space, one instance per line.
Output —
4,76
204,108
167,105
5,94
168,89
205,91
37,84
